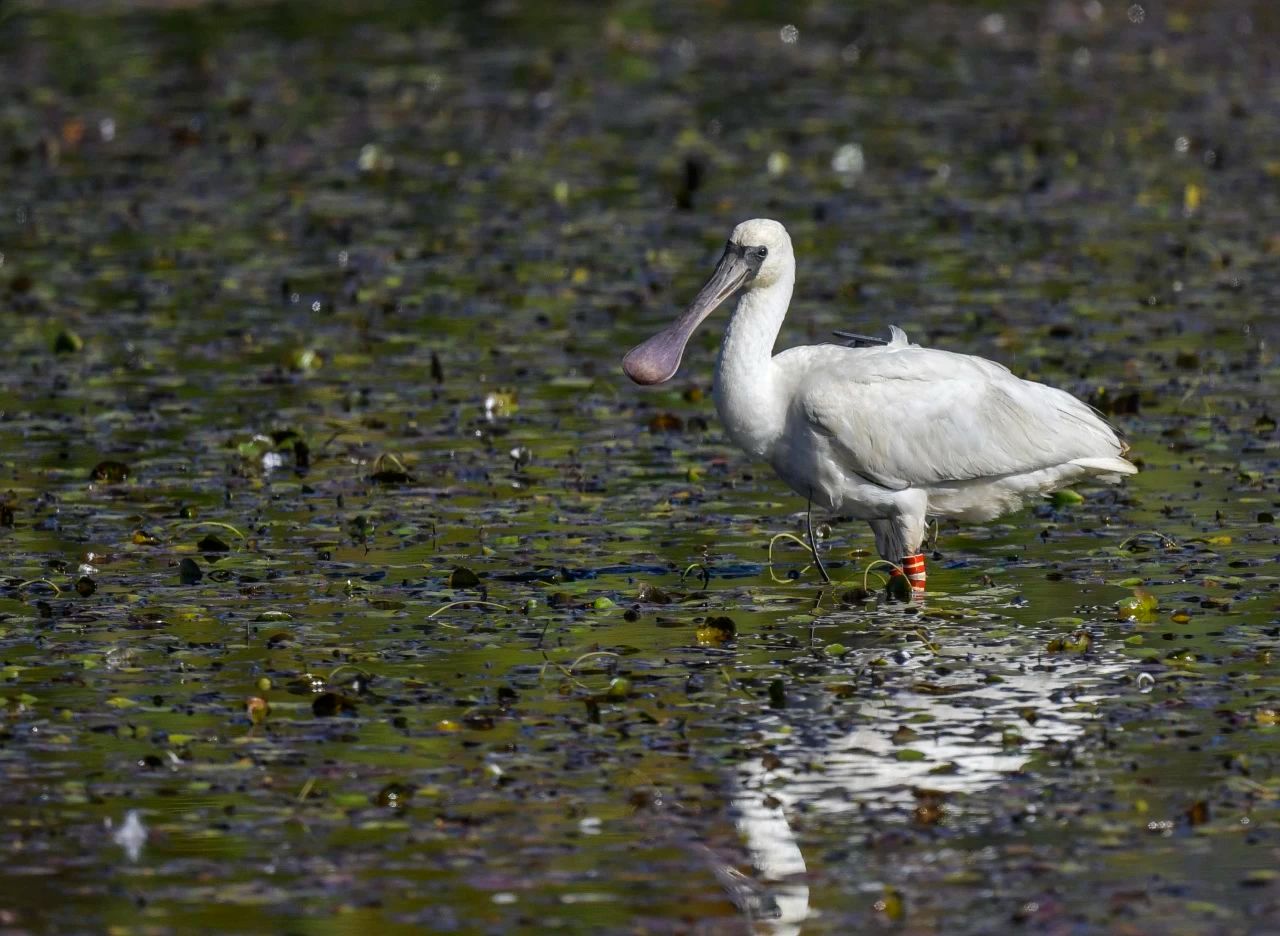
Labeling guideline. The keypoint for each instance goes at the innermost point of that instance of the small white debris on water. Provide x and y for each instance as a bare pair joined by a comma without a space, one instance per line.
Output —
131,835
849,160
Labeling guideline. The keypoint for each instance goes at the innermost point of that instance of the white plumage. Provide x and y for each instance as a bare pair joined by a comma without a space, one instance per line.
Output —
891,434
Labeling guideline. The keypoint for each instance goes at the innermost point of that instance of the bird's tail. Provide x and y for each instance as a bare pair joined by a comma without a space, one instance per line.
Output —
1108,468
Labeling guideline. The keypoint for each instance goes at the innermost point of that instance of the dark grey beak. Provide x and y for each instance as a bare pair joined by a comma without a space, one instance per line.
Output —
657,360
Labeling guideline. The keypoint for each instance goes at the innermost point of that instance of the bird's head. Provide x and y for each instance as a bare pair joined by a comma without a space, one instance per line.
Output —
757,255
766,250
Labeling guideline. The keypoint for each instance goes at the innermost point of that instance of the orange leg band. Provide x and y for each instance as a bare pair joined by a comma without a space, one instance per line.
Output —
913,569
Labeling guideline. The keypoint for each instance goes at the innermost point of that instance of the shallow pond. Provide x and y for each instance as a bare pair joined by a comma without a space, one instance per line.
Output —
349,587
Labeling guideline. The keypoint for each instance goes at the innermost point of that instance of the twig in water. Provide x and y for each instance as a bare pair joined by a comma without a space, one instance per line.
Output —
795,539
706,573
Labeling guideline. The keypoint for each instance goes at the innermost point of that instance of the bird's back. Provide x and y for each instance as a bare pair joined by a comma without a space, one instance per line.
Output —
905,416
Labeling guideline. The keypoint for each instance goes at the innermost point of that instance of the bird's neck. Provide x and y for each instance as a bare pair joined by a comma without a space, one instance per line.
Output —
750,404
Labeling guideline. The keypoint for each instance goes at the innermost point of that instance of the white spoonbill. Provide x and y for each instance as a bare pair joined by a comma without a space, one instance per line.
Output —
892,434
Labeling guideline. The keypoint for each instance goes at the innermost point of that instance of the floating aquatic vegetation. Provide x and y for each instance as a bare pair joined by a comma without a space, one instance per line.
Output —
345,353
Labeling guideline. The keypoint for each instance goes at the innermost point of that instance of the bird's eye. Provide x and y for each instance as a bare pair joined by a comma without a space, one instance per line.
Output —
762,252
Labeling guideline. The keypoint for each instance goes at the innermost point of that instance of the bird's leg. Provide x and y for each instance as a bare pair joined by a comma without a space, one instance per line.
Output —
898,539
908,571
813,544
913,569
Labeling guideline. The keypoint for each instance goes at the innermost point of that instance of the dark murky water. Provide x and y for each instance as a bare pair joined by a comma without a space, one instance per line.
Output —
345,296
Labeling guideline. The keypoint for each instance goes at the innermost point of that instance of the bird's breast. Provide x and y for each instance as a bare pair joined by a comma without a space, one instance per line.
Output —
751,411
805,461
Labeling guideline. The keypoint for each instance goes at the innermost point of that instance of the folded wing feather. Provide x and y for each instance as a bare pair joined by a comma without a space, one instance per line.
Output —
905,416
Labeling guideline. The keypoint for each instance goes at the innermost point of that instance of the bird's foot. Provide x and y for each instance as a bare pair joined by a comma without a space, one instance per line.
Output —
913,569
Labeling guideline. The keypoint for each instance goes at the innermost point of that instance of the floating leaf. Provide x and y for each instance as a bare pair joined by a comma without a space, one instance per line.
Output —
904,735
929,806
395,795
1076,642
777,694
330,704
715,631
561,600
500,403
1197,813
666,422
113,472
898,588
258,709
891,904
462,577
67,342
1066,498
1140,607
653,594
855,596
304,360
619,688
1260,877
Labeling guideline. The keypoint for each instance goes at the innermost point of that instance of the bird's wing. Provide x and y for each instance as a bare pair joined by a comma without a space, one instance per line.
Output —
909,416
